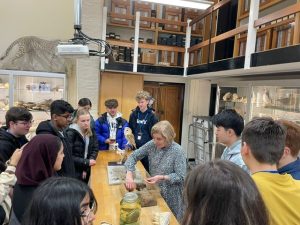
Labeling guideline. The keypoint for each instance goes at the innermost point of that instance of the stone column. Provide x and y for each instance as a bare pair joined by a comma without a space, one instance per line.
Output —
87,69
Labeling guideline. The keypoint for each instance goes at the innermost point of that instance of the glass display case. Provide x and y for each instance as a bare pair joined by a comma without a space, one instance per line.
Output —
32,90
4,96
279,99
233,97
278,102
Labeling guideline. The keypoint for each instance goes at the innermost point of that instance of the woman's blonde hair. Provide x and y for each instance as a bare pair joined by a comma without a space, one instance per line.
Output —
81,112
166,130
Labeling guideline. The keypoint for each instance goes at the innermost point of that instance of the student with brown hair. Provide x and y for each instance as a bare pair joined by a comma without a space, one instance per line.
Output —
12,136
110,127
219,192
263,142
290,162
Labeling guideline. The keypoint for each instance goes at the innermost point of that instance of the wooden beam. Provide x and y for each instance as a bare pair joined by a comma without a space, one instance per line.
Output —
157,20
127,44
220,37
278,14
261,8
296,39
209,11
150,19
283,22
161,47
121,16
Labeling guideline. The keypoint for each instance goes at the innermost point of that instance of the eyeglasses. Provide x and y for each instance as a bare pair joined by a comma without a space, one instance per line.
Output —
91,209
25,123
68,117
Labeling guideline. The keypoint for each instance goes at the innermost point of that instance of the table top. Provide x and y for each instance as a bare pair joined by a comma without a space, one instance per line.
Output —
109,196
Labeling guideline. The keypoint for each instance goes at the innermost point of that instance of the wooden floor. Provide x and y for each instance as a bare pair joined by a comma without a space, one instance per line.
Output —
109,196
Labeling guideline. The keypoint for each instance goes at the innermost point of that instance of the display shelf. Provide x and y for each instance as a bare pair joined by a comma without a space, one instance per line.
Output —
32,90
123,43
154,30
162,47
233,101
130,44
283,109
244,13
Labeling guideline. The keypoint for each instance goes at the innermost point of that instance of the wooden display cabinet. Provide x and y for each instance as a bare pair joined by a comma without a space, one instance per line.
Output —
145,10
197,28
244,6
172,13
167,24
120,7
283,36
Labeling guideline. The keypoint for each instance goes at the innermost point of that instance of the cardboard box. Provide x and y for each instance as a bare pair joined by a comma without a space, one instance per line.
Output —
172,16
149,57
197,28
120,7
169,58
145,11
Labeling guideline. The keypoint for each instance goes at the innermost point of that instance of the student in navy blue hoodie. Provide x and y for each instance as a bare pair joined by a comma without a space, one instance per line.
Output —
290,162
141,121
109,127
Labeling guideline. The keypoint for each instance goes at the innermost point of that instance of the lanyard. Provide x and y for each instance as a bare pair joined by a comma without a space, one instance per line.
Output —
141,124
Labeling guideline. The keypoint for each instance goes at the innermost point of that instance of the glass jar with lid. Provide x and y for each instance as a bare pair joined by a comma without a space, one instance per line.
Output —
130,209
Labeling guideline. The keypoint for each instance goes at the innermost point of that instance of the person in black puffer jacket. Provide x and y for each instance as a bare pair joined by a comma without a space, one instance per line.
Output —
83,143
61,116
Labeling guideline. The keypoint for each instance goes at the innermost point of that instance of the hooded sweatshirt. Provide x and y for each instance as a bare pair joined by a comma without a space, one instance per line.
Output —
141,124
9,143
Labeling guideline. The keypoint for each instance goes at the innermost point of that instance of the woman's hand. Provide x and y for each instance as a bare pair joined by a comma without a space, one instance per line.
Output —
129,182
92,162
84,174
155,179
15,158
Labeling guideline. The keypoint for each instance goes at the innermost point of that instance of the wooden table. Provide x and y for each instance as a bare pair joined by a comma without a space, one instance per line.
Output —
109,196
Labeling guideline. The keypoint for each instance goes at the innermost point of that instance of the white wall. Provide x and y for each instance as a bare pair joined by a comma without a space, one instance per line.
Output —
48,19
196,103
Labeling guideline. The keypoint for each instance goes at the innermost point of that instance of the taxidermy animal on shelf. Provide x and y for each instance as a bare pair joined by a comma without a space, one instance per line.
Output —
267,100
129,137
34,54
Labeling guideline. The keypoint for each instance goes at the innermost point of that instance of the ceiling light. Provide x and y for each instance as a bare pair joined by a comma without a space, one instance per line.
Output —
195,4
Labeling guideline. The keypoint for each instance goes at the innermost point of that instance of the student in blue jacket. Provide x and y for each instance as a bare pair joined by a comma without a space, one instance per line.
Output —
109,127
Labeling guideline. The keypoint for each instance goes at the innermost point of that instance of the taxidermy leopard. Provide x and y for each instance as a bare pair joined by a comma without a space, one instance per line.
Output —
33,54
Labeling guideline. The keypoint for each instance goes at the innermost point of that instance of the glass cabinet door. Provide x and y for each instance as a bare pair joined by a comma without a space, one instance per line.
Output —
4,97
36,94
234,98
276,102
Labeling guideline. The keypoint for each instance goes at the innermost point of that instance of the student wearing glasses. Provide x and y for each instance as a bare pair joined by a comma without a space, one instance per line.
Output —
12,136
61,116
63,201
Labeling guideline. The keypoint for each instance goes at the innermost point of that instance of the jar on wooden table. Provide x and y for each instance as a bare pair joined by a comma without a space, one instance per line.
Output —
130,209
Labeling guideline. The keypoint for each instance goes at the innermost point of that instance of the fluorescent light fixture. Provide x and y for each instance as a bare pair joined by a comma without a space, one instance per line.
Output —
195,4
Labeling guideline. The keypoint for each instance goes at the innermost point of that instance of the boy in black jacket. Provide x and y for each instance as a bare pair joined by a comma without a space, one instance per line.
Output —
61,116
